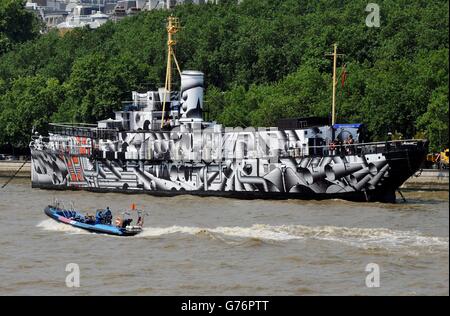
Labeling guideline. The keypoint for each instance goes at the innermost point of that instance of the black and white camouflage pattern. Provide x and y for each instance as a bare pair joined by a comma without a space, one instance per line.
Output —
215,161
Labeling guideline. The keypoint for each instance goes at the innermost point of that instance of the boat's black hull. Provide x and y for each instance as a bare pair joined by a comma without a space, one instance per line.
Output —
369,196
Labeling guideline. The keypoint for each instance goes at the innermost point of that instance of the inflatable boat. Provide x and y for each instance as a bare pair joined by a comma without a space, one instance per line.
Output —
100,223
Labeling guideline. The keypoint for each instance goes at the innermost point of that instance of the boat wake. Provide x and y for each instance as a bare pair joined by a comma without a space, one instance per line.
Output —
358,237
51,225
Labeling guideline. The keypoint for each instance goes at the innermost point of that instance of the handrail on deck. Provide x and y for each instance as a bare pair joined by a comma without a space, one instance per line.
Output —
383,143
64,124
83,130
364,148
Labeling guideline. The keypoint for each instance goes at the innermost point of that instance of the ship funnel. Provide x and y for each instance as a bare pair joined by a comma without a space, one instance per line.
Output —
191,95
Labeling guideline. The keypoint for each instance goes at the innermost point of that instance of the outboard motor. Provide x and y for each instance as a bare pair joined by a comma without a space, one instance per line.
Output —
191,96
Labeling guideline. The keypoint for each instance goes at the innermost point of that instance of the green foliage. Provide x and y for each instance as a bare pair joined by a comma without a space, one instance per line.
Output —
303,93
435,120
97,85
16,24
263,60
26,106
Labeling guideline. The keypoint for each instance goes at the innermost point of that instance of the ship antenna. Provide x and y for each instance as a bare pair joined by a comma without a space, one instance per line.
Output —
173,26
333,102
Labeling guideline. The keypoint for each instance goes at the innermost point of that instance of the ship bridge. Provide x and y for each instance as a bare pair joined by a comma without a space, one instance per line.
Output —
162,109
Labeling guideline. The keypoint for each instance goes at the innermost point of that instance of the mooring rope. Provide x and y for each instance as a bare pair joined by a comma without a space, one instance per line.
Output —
14,175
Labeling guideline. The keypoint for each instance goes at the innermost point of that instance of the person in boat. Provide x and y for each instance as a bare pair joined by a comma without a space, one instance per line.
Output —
99,217
122,222
89,219
107,216
103,217
140,220
349,141
332,147
336,147
118,222
126,222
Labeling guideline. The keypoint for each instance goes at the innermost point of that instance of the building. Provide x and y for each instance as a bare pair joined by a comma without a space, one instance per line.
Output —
169,4
52,12
68,14
82,16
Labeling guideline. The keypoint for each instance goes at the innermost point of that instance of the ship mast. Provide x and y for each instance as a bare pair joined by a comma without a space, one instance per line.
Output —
333,102
173,26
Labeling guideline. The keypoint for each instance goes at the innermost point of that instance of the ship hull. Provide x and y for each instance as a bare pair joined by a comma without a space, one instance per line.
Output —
372,196
371,176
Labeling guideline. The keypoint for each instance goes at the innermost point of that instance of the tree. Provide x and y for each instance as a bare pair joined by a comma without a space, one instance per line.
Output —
28,106
263,60
436,119
98,85
17,25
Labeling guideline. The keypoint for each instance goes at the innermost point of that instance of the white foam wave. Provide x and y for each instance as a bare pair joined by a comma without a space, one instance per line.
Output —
366,237
359,237
52,225
240,232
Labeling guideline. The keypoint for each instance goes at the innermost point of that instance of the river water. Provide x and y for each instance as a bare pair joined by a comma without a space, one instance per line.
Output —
216,246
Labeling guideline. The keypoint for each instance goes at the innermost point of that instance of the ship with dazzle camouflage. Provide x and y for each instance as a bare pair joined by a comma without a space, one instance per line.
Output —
160,144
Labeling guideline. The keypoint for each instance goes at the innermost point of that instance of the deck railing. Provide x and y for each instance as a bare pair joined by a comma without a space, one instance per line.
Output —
363,148
82,130
95,133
